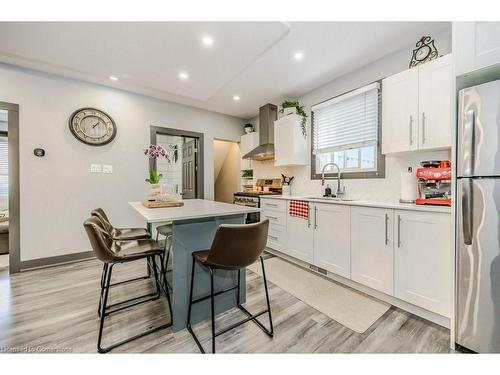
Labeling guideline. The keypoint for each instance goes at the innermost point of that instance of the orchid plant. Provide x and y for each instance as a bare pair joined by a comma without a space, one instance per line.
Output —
155,152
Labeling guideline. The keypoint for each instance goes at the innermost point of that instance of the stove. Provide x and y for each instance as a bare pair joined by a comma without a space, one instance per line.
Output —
252,198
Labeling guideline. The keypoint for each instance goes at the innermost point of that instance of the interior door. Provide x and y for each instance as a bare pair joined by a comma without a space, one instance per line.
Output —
478,271
436,103
400,112
189,168
332,240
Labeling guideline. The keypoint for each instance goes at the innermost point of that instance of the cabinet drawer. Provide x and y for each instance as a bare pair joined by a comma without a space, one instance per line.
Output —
273,204
276,237
275,217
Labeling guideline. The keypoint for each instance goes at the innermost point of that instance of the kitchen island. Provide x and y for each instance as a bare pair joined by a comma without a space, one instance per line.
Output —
194,226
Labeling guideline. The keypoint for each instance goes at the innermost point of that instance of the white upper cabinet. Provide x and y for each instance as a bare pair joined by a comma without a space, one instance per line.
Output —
400,112
417,108
290,145
248,142
422,260
435,103
476,45
332,240
372,253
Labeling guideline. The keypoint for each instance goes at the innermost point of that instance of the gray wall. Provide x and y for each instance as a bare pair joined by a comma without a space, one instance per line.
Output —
57,191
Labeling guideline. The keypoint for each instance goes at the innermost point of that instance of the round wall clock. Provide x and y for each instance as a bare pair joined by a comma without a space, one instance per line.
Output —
92,126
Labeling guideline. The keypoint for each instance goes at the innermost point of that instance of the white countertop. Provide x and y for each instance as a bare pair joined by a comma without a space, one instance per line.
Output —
394,205
192,209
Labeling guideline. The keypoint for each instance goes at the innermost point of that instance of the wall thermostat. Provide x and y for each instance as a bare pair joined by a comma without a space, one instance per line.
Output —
39,152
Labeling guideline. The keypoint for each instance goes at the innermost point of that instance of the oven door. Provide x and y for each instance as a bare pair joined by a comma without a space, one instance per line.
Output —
253,217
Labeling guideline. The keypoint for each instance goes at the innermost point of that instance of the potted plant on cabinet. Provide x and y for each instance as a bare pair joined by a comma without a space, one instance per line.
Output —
289,107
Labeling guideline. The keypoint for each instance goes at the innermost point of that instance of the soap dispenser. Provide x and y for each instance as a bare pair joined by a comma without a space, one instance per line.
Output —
328,191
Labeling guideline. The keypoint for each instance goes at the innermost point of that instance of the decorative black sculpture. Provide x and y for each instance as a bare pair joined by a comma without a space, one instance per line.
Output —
425,51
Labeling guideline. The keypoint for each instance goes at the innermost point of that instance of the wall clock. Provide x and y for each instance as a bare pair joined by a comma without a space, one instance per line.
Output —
425,51
92,126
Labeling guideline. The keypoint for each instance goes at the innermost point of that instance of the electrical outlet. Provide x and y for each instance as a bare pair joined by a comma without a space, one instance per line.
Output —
95,168
107,169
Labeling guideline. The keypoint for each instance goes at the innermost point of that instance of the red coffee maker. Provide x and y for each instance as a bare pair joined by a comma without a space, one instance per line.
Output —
434,183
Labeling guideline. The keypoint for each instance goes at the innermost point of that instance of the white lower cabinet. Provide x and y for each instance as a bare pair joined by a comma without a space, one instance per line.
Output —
332,242
372,253
422,259
300,235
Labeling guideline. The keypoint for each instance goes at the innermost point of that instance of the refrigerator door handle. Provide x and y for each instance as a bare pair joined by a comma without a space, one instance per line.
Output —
467,210
468,143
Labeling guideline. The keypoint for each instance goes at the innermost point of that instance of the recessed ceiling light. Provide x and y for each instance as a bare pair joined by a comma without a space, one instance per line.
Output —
298,55
183,75
236,98
207,40
113,78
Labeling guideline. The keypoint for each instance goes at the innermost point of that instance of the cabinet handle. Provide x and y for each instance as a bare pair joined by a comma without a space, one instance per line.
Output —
273,237
271,217
271,204
315,217
309,216
411,130
399,231
423,127
386,232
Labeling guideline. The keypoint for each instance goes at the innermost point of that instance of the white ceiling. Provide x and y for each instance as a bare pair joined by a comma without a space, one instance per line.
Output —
253,60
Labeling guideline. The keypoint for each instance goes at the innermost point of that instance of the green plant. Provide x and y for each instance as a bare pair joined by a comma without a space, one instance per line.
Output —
154,177
300,111
247,173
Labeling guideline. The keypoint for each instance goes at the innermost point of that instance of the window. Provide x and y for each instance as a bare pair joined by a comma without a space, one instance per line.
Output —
4,167
346,132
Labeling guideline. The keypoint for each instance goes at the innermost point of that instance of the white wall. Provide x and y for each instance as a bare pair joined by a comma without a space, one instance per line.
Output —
387,188
57,191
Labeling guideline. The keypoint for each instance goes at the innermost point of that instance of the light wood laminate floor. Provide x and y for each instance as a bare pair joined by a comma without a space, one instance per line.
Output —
55,309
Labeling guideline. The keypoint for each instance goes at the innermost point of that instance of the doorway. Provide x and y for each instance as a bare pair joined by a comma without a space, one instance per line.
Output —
184,171
227,170
9,188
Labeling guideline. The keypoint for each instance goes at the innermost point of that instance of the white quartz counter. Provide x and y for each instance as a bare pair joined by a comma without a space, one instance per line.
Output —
394,205
192,209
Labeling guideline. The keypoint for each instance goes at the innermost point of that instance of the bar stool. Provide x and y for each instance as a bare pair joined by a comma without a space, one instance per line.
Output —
122,234
166,231
235,246
112,252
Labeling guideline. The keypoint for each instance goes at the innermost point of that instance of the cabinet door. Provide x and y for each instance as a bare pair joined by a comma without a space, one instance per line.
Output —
476,45
299,242
248,142
400,112
332,241
372,252
422,259
436,103
290,146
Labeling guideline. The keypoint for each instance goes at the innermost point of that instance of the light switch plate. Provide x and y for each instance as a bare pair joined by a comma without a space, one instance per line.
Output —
95,168
107,169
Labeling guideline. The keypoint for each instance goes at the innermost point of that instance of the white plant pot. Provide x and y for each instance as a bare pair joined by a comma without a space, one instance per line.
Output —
287,111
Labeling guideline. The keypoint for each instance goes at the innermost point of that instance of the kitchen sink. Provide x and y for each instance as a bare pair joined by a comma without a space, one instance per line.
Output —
335,199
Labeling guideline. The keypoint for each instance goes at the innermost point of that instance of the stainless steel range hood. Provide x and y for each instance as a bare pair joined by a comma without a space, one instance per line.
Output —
265,151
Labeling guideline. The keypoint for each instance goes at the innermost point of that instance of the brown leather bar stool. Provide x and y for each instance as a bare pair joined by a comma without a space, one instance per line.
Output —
112,252
122,234
235,246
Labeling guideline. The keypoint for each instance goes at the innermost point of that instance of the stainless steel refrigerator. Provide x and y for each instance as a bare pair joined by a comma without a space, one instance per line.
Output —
478,213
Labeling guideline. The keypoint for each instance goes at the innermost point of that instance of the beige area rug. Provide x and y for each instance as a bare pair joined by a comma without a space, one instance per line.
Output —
350,308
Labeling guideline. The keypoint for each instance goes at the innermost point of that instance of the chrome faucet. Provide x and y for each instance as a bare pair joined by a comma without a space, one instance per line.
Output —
340,192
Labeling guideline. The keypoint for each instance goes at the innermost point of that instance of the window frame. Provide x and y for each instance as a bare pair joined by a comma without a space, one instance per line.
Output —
379,157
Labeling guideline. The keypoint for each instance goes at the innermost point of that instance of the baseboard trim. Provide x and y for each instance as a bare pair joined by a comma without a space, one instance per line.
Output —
56,260
418,311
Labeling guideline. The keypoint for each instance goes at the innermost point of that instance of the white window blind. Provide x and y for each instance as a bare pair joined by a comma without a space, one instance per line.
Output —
4,167
347,121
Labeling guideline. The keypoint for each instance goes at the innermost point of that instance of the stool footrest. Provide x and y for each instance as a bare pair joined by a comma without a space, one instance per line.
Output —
215,294
237,324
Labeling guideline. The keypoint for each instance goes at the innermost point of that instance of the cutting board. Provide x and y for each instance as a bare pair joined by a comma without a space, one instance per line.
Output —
162,204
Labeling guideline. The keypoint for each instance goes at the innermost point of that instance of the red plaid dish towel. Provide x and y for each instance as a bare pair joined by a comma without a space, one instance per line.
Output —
299,209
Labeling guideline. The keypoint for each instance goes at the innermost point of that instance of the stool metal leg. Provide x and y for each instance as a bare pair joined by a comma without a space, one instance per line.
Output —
212,307
267,296
189,328
105,313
